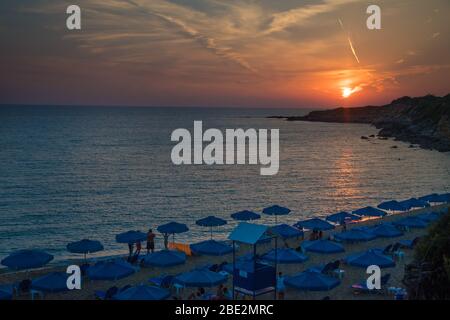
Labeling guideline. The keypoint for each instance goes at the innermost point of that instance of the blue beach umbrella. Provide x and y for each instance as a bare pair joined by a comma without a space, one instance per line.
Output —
276,211
200,278
386,230
245,215
355,236
110,270
6,292
438,198
369,212
340,217
411,222
143,292
434,197
52,282
173,228
286,231
131,236
315,224
362,228
414,203
445,197
27,259
164,258
322,246
211,221
85,246
312,281
392,205
285,256
370,257
211,248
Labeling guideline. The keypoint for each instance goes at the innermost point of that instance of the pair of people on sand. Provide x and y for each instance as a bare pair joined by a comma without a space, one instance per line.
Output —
222,294
151,241
134,255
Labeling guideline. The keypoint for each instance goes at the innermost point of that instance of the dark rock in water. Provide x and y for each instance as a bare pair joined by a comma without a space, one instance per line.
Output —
372,136
411,146
423,121
364,138
276,117
394,147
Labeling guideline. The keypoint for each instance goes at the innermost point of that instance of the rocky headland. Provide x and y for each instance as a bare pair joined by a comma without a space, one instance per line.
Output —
424,121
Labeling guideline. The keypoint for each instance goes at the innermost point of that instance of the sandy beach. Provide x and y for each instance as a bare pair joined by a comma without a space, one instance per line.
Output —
343,291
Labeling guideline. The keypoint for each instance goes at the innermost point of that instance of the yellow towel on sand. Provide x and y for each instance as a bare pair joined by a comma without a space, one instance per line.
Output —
181,247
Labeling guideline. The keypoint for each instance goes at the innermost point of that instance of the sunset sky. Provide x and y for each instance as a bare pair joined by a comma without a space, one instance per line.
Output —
255,53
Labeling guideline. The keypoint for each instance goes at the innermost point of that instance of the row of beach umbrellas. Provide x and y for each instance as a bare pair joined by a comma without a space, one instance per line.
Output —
116,269
310,280
28,259
313,280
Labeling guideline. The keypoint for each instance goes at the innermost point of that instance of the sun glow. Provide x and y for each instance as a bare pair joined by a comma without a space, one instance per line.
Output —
347,92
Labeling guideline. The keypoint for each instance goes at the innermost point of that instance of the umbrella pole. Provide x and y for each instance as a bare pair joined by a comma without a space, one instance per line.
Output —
211,232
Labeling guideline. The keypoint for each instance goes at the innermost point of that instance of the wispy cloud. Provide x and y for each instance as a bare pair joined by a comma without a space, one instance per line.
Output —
296,16
236,49
208,42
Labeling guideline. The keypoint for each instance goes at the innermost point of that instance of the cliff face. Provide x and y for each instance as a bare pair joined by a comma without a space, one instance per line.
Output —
424,120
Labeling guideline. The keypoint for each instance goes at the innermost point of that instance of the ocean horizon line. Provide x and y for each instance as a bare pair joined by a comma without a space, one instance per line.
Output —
20,105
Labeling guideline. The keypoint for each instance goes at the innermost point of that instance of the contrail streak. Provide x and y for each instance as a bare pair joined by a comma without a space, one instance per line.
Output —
353,49
349,41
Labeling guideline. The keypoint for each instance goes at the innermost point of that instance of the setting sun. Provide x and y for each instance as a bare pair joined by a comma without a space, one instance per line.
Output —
347,92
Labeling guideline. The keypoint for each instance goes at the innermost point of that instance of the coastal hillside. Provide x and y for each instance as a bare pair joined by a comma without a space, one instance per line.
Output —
423,120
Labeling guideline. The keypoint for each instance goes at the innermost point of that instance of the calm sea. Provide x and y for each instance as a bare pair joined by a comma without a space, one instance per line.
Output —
69,173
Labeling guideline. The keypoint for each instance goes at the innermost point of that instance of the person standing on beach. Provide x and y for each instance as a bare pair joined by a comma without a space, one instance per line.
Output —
130,250
166,241
138,248
150,241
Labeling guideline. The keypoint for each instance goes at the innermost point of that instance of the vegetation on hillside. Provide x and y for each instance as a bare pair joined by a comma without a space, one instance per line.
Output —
429,276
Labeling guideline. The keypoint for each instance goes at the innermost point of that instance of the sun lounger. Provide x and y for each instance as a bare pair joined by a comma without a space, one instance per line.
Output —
387,250
110,293
106,295
362,286
410,244
328,268
163,281
166,282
